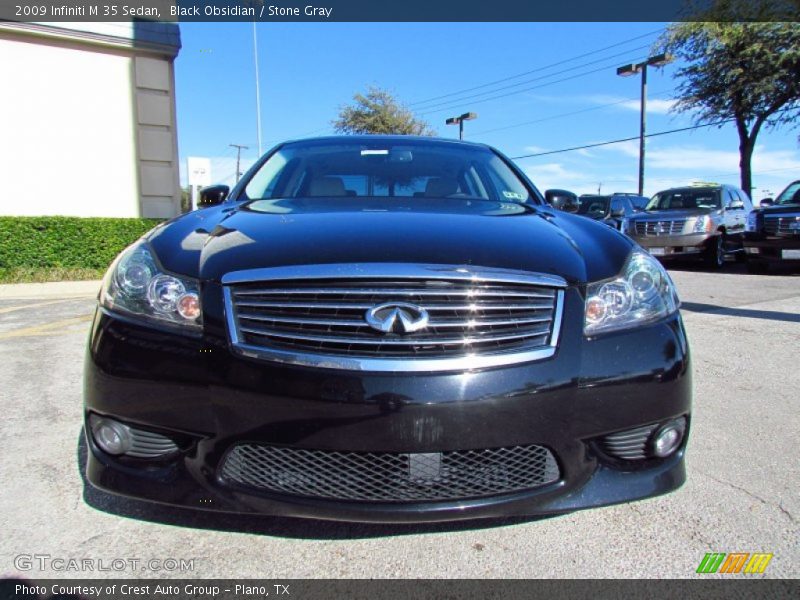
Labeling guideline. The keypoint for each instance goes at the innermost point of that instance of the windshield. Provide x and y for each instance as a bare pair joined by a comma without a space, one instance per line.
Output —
593,205
681,199
791,195
386,169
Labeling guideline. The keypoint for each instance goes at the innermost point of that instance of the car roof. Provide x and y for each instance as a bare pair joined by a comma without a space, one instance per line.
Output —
373,138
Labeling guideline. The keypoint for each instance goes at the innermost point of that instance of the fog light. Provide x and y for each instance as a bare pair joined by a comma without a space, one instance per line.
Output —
668,438
112,437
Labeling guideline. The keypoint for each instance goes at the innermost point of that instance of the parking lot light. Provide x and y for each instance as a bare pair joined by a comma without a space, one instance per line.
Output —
467,116
657,60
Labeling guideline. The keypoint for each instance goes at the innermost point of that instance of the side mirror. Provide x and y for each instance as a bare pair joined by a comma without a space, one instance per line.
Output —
767,202
213,195
562,200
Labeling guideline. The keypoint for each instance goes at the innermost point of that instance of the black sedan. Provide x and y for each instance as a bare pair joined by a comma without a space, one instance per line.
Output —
386,329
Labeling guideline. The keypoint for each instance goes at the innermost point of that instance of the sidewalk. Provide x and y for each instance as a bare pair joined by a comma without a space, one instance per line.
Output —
52,289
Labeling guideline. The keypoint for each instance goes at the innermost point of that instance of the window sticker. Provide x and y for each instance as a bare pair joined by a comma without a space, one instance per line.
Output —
513,195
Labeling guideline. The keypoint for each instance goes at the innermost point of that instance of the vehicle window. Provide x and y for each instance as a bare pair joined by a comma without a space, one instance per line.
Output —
791,195
618,204
743,198
680,199
593,205
328,169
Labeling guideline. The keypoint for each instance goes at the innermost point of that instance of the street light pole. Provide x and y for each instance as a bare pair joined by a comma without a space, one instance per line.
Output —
642,125
460,122
258,88
659,60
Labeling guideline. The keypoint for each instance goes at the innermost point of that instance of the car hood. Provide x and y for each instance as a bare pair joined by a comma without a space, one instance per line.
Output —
779,209
540,240
682,213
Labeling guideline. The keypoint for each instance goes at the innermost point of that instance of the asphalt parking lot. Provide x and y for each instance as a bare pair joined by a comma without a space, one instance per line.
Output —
741,494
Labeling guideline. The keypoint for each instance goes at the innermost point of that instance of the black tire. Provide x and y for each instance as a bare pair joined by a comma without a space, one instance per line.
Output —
757,267
714,255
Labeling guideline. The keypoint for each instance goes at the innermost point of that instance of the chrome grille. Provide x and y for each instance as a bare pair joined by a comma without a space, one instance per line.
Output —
669,227
781,225
389,477
314,319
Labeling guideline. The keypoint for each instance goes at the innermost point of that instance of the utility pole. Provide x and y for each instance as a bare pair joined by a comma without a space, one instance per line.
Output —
239,149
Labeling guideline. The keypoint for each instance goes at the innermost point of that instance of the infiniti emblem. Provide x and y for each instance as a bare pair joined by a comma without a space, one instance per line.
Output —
397,317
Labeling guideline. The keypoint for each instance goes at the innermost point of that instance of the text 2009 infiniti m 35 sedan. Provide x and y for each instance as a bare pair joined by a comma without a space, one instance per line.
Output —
392,329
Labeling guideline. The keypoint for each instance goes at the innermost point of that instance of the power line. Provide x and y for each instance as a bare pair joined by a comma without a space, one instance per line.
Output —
536,70
535,87
619,141
568,114
458,101
636,137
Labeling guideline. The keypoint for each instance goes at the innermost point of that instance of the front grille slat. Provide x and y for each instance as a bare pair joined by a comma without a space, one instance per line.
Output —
782,226
660,227
322,318
376,340
389,477
366,306
392,292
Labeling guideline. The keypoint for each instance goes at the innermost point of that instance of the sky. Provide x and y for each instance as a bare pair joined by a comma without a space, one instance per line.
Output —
536,87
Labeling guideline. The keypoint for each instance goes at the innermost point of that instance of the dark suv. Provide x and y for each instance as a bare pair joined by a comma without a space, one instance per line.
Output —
615,210
705,221
773,231
382,328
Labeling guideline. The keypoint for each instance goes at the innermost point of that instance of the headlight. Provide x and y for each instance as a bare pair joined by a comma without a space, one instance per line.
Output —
642,293
703,224
136,285
752,221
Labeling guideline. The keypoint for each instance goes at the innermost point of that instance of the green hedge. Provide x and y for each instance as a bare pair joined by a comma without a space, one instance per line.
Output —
65,242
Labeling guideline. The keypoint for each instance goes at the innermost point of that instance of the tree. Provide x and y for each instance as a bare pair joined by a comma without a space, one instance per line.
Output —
740,66
378,111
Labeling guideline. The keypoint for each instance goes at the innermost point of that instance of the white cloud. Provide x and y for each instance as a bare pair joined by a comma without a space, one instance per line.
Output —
656,106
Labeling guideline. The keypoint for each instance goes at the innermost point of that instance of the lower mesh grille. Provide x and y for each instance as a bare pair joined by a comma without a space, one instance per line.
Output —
389,477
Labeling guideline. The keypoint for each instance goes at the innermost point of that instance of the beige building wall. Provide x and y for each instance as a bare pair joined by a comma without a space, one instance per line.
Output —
88,126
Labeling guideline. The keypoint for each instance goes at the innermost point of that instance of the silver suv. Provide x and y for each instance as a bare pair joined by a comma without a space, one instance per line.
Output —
705,221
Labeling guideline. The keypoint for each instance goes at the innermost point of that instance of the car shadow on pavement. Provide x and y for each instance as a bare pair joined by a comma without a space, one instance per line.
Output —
285,527
772,315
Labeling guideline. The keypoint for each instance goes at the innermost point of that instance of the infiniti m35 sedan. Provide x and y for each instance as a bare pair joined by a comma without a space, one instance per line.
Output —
386,329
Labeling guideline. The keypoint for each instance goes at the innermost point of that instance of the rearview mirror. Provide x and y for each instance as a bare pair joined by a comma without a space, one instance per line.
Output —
767,202
213,195
562,200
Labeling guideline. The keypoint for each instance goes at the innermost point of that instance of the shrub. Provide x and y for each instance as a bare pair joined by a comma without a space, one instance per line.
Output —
68,243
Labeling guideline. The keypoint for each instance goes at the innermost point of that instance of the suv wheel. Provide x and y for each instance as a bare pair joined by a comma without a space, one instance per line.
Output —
714,255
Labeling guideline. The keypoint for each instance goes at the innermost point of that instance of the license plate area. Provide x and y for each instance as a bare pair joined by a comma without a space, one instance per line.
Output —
657,251
790,254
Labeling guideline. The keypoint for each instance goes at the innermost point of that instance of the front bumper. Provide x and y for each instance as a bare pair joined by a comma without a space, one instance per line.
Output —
760,247
674,245
198,392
